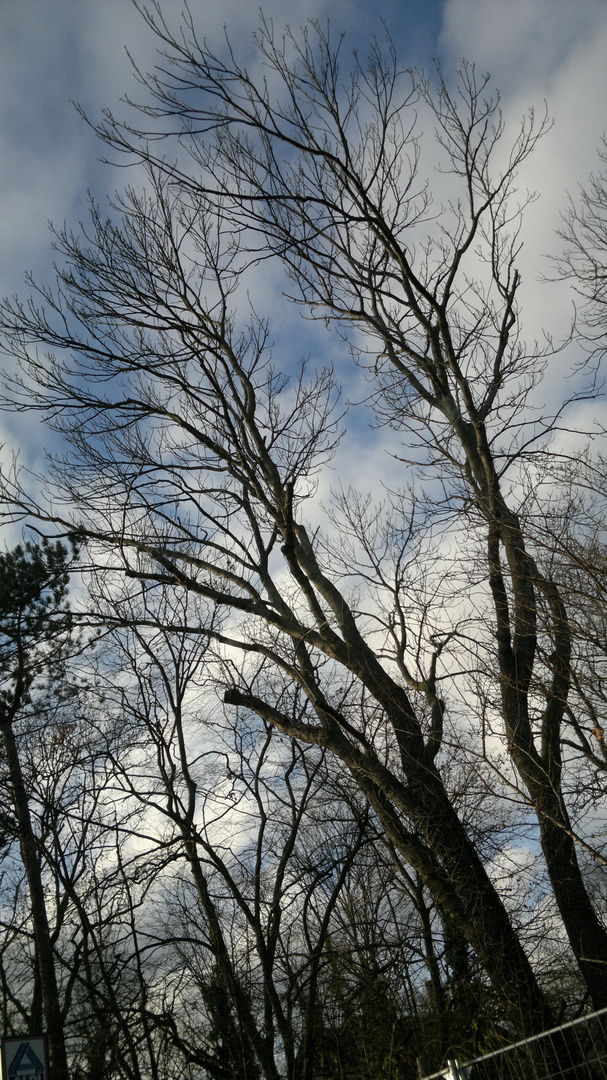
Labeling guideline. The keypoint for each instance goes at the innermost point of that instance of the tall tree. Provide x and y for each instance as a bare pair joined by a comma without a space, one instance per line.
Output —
193,459
34,630
260,840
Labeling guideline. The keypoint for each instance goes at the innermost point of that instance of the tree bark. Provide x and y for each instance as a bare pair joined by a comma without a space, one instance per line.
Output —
540,769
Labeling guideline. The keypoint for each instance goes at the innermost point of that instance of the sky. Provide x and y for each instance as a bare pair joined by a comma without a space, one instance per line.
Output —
55,52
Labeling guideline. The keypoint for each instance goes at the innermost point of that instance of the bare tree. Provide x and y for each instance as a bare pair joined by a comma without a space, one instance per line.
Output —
585,255
34,630
58,938
198,870
262,843
192,459
574,542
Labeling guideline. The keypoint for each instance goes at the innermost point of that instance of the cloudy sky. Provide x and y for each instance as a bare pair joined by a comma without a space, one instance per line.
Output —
54,52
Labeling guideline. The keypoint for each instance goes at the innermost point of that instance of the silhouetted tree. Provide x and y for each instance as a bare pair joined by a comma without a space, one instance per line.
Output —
34,630
193,459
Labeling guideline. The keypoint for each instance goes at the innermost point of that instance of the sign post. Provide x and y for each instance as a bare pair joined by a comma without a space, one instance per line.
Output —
24,1058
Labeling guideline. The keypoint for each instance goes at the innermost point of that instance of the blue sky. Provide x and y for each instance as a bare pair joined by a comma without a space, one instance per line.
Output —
55,51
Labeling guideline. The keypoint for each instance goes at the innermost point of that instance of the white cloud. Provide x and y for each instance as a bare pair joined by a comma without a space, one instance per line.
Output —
523,42
51,53
548,51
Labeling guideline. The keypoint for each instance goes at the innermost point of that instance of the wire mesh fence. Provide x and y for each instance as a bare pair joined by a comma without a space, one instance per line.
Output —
573,1051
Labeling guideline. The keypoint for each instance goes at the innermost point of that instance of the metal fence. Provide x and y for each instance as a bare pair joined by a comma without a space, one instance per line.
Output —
574,1051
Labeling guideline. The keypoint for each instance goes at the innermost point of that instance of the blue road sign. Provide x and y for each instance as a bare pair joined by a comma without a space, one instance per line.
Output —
24,1058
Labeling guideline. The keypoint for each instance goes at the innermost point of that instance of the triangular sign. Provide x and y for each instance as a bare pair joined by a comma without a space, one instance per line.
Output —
25,1062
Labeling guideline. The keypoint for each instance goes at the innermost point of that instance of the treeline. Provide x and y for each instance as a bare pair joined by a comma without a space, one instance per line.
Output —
216,899
310,783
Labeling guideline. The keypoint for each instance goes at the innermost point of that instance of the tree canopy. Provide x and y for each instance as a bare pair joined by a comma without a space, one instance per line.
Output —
436,641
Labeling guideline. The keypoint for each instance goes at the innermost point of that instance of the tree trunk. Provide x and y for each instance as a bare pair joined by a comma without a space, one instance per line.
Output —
42,937
540,770
468,899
